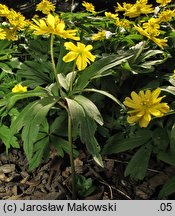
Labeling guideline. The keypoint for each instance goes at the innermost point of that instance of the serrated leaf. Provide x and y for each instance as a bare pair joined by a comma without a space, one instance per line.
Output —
31,127
59,125
4,136
62,146
137,166
22,117
35,73
90,108
86,127
37,157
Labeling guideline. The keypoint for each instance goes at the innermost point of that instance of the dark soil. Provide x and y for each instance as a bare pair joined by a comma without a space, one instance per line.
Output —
52,180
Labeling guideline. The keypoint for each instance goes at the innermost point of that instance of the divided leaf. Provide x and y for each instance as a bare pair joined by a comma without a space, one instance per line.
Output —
30,119
86,127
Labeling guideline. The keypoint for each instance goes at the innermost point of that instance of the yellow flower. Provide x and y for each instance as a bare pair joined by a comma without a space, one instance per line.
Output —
53,25
2,34
152,36
152,27
79,53
4,10
89,7
161,42
111,15
144,106
19,88
126,7
45,6
11,34
166,15
123,23
135,10
101,35
17,20
163,2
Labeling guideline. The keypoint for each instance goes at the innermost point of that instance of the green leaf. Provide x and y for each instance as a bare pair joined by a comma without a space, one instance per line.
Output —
90,108
118,143
21,119
62,146
86,127
107,95
4,136
98,67
39,48
84,186
59,125
168,188
35,73
31,127
30,119
57,145
76,111
166,157
137,166
169,89
171,80
160,138
87,136
63,81
172,140
152,53
38,153
63,67
14,97
6,68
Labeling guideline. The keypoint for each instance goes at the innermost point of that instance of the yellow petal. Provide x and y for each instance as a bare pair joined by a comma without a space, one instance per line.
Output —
70,57
81,63
147,117
143,122
129,103
90,56
132,119
70,46
154,112
156,93
136,97
89,47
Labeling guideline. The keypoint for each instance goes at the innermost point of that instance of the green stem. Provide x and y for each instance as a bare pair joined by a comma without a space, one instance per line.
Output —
72,77
72,6
74,196
53,61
